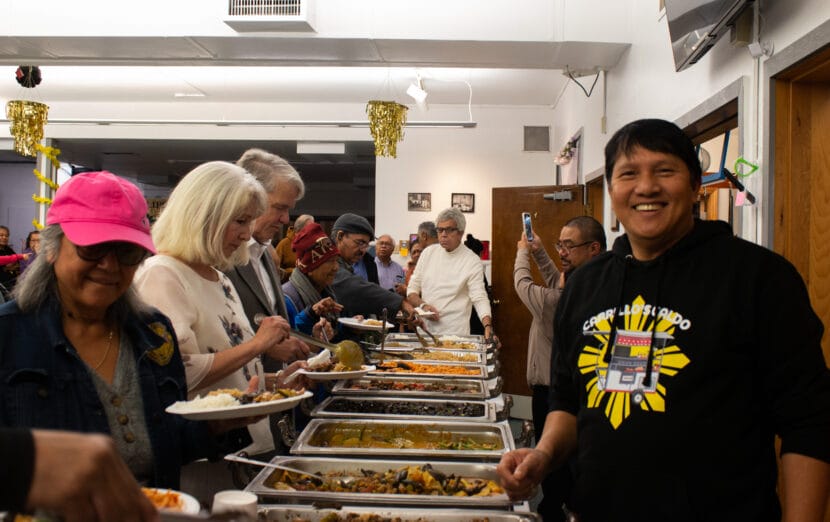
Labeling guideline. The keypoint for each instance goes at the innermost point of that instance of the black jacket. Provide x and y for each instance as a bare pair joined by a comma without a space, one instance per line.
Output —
735,358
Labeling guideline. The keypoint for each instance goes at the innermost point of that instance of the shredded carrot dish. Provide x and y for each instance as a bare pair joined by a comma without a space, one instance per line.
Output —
163,498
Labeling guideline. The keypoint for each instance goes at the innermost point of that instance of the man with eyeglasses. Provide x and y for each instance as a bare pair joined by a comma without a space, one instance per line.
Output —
580,240
449,281
352,233
390,273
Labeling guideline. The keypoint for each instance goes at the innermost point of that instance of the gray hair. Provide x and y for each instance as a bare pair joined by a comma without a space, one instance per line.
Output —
302,221
453,214
429,228
271,170
192,224
39,282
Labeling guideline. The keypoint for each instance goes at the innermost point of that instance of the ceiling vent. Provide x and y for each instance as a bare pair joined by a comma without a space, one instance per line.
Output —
537,139
247,16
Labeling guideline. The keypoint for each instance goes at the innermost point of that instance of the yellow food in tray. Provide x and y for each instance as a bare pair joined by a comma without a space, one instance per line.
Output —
402,437
437,369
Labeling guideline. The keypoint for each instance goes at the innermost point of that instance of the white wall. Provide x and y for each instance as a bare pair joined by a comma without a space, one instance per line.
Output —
645,84
443,161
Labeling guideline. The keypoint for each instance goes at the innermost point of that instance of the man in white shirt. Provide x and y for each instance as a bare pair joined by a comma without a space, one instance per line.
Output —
390,273
449,281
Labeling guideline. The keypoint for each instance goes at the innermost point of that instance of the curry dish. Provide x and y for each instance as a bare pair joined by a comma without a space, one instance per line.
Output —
430,437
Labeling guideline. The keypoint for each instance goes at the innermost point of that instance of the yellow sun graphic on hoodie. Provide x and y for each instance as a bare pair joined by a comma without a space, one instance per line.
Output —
620,381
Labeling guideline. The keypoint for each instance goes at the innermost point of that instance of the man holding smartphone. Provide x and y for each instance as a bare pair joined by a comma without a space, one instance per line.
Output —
581,239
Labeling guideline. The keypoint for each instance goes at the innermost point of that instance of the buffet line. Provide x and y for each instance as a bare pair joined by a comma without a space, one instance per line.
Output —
417,438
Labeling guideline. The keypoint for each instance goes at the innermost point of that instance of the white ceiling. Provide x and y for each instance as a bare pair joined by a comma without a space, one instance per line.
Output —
270,69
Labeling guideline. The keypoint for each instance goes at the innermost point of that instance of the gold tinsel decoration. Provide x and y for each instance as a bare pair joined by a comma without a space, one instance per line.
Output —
27,120
386,122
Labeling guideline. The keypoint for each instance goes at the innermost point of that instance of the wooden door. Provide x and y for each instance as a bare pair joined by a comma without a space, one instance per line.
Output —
801,231
510,317
801,228
596,199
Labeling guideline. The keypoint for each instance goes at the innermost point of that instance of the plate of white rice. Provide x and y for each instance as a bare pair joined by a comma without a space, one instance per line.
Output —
225,406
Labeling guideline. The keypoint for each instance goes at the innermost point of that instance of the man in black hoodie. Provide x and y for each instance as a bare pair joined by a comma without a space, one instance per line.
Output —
679,356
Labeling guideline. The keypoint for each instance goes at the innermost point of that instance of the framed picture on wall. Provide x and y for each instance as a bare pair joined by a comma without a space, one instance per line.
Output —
464,202
419,201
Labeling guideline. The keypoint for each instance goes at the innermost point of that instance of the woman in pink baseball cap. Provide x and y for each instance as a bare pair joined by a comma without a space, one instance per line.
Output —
79,350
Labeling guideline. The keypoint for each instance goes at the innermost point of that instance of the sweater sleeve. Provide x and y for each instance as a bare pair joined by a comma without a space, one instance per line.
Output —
162,287
535,297
546,267
477,290
17,453
13,258
795,375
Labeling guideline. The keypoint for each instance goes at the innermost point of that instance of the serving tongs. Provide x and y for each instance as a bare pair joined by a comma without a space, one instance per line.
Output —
316,478
412,321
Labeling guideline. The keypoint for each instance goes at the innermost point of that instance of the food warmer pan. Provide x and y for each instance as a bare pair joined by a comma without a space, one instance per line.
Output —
437,369
294,513
419,387
371,438
400,472
409,408
448,342
433,355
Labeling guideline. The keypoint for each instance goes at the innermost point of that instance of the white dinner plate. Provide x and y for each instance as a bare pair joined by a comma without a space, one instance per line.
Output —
424,313
336,376
190,505
361,325
235,412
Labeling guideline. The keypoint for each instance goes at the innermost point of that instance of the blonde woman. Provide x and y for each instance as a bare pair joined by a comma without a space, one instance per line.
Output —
203,229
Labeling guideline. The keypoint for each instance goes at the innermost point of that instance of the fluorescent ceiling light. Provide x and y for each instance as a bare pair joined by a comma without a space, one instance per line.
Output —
320,147
252,123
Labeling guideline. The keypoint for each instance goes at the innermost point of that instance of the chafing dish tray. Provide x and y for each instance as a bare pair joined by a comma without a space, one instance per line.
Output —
409,408
404,438
447,342
420,387
433,355
437,369
390,482
298,513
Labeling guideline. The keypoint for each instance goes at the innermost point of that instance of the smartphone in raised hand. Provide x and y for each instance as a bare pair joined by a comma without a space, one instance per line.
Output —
528,226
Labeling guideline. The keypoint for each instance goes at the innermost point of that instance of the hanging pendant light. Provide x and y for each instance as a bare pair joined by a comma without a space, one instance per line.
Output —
386,122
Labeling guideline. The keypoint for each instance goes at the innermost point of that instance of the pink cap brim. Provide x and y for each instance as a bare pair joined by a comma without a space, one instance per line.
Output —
84,233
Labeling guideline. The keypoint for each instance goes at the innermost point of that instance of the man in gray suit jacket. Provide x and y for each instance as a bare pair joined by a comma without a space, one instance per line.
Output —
258,282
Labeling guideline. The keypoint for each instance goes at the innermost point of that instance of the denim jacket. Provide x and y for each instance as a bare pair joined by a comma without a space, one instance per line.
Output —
45,384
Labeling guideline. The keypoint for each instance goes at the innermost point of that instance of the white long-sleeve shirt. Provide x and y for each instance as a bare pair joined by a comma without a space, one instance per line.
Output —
452,282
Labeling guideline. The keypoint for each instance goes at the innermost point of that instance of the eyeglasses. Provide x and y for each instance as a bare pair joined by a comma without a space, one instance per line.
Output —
127,254
566,249
447,230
